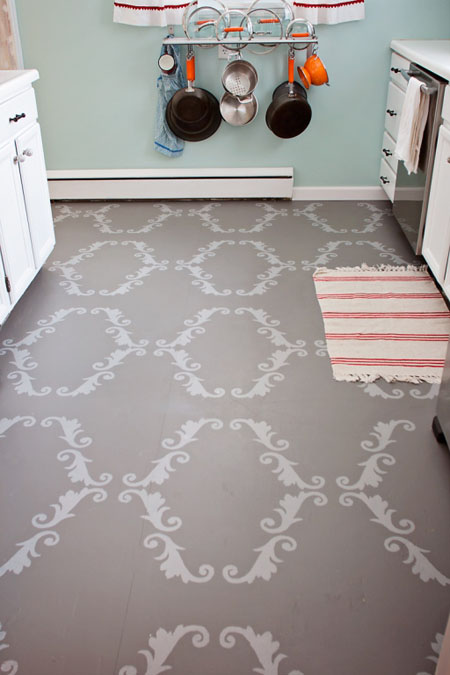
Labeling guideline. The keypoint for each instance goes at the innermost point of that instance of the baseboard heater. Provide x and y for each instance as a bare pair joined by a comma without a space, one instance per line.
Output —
247,183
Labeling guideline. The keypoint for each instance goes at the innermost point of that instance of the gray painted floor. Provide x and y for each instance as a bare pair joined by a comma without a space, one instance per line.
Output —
184,487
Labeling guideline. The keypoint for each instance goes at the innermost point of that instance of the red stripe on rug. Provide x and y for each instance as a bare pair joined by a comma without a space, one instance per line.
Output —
386,315
417,363
387,296
318,278
419,337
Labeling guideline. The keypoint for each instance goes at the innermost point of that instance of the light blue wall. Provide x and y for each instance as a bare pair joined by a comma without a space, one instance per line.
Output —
96,95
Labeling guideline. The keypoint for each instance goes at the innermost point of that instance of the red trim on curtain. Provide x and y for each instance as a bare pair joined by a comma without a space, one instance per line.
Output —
126,6
329,5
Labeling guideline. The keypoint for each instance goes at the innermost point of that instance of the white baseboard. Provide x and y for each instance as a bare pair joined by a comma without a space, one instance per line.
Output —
172,184
228,183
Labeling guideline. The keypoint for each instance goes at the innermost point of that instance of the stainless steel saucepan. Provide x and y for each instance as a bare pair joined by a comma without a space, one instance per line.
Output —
238,111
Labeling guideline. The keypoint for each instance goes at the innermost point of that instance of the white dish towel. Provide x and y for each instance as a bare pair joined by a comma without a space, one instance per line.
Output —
412,125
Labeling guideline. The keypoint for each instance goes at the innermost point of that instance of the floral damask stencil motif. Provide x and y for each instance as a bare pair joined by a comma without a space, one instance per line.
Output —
285,514
9,667
264,281
206,216
22,358
72,279
373,471
436,647
76,467
187,369
162,644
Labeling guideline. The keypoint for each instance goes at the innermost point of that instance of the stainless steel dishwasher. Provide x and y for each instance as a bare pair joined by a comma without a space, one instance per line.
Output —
441,422
412,190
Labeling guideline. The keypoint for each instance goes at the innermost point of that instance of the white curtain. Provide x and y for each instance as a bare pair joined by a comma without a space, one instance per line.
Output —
329,11
150,12
167,12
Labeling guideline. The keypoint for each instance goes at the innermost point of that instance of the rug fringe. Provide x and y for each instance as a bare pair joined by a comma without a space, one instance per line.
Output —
373,268
362,377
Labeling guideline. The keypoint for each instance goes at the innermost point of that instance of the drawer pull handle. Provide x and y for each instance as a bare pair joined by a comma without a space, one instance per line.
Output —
387,152
392,113
448,160
395,70
384,180
17,117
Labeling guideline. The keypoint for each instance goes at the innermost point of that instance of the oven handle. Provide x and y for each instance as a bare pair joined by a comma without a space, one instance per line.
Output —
407,74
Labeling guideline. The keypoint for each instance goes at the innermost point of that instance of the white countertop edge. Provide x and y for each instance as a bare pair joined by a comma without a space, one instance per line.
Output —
14,81
431,54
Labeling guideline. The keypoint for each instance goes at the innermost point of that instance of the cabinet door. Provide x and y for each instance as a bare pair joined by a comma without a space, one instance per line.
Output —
436,242
35,189
5,304
14,234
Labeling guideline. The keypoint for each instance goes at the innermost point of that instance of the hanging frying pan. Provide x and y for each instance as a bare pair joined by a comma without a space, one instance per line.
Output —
193,114
289,113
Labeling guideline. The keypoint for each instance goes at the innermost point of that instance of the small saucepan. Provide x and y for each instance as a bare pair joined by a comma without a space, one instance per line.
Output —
289,113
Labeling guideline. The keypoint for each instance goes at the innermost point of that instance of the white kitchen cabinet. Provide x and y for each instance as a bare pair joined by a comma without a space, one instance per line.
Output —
393,109
15,239
35,189
436,242
26,225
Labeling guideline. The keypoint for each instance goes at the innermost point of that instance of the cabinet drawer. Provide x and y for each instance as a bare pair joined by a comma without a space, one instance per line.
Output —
387,150
387,179
394,105
17,114
399,63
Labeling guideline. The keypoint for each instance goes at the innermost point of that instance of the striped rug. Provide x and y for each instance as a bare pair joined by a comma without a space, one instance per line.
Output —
388,322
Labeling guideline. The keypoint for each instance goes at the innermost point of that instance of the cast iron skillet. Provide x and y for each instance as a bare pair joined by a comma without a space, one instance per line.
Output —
197,131
193,114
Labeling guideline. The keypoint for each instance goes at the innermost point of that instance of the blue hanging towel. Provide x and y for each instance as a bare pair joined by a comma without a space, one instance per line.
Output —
165,140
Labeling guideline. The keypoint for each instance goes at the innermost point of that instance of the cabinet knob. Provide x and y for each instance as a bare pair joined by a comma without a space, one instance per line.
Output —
18,159
448,160
17,117
28,152
387,152
395,70
384,180
392,113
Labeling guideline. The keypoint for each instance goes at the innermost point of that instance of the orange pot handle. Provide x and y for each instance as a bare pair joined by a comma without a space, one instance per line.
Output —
234,29
299,35
269,21
190,69
200,23
291,69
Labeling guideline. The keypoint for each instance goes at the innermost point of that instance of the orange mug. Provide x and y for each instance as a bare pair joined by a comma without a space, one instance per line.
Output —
316,70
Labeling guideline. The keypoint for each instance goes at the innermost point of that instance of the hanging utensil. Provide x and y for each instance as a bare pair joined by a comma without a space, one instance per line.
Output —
166,62
238,111
240,78
289,113
193,114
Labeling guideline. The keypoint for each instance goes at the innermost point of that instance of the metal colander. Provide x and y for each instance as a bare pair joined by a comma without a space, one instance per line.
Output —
240,78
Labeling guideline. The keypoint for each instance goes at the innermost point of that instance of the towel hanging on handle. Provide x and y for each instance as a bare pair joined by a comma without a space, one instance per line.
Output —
167,84
328,11
412,125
